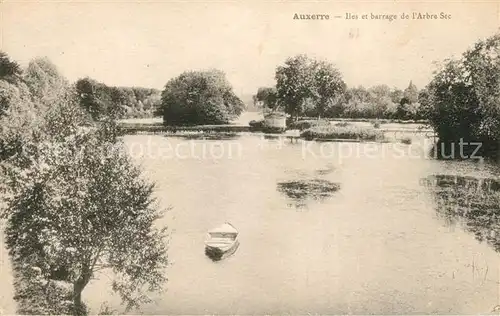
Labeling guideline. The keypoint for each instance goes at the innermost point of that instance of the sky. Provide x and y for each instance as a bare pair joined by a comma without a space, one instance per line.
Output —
146,43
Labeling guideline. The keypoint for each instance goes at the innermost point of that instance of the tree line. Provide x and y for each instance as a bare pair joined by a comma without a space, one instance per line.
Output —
315,88
101,100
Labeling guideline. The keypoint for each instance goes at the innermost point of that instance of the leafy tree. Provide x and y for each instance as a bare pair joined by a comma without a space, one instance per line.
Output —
74,201
454,113
411,93
97,98
200,97
328,86
9,70
425,101
294,84
76,205
464,98
268,96
408,105
482,64
305,84
44,81
396,95
380,99
358,103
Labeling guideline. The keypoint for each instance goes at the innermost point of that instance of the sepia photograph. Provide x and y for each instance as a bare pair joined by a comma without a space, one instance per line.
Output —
258,157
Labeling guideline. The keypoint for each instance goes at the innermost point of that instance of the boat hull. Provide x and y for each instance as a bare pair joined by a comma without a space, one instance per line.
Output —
216,253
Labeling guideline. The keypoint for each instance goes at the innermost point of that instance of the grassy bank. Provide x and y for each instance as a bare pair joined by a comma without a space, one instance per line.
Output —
343,131
370,120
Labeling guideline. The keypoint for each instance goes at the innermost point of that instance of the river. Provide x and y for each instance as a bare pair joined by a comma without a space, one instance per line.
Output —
375,246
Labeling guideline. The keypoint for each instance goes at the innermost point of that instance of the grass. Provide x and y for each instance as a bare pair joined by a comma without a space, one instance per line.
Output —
343,132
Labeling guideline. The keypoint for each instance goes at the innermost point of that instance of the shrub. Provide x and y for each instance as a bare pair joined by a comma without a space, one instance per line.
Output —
406,140
376,124
256,124
343,132
305,124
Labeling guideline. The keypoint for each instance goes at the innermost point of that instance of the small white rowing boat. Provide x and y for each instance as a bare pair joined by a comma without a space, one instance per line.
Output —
221,242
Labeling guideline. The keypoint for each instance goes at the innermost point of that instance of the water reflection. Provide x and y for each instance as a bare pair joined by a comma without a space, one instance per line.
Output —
473,203
300,191
327,170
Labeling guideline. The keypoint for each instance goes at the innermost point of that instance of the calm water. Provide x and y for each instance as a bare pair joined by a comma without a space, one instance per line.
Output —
375,246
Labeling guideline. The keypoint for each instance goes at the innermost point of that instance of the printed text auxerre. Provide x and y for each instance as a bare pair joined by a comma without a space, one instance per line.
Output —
311,16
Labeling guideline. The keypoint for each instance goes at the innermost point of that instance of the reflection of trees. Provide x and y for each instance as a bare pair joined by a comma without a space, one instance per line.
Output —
472,202
307,189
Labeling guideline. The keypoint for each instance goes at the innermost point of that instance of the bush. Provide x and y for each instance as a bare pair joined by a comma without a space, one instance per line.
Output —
305,124
376,124
343,132
406,140
256,124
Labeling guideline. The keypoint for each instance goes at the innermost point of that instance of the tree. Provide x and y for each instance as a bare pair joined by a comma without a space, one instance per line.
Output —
411,93
425,101
454,114
408,105
328,86
9,70
303,83
44,81
19,110
97,98
396,95
482,63
294,84
268,96
200,97
380,98
358,103
464,98
76,204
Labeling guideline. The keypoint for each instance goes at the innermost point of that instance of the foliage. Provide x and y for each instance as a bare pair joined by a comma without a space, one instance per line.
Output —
36,295
462,99
343,132
79,205
256,124
74,201
10,70
268,97
103,101
200,98
303,81
44,81
328,86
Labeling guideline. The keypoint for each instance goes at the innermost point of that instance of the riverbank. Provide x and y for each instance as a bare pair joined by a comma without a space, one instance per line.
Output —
392,130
